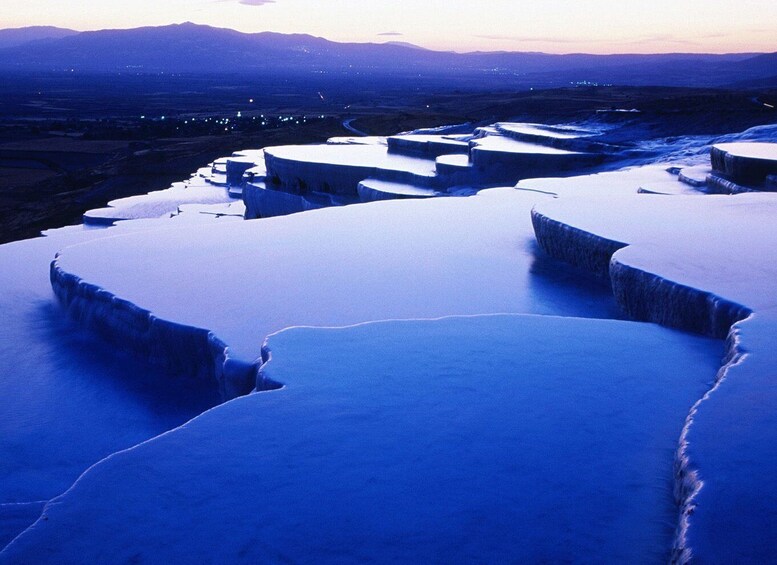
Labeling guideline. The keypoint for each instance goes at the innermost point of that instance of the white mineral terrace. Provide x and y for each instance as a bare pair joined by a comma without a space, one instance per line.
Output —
408,253
704,242
557,132
701,263
396,188
368,156
750,150
389,440
159,203
502,144
508,404
453,141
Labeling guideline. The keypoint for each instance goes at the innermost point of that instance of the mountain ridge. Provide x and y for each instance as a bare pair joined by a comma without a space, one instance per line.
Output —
15,37
195,48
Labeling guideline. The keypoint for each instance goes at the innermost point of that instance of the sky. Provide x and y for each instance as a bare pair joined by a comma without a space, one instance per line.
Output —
553,26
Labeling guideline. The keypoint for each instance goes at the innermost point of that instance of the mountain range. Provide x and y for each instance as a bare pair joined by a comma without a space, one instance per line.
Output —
192,48
21,36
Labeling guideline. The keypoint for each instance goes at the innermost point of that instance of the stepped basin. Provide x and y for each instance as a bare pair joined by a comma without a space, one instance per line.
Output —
365,140
422,258
569,137
695,176
450,165
371,190
496,158
236,167
250,154
157,204
67,400
427,145
218,179
73,400
504,428
500,144
669,187
678,224
719,184
261,202
745,163
612,183
256,173
220,166
338,169
709,265
542,130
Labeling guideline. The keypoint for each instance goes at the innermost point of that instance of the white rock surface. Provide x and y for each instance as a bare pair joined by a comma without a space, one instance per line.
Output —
702,264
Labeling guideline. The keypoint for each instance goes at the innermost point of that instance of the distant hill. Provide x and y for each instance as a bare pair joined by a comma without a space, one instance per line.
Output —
191,48
405,44
756,72
23,35
765,64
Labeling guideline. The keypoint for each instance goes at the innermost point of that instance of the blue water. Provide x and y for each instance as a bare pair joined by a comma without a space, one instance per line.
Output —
67,400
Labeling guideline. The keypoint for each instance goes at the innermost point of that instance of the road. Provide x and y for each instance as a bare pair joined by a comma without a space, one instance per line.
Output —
347,125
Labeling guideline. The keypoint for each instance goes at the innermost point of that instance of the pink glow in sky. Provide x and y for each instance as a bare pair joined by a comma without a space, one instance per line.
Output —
554,26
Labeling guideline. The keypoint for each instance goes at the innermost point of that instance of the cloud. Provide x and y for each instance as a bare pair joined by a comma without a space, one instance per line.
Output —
250,2
391,34
659,38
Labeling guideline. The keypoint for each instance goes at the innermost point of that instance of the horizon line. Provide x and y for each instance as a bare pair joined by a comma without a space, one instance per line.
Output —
396,42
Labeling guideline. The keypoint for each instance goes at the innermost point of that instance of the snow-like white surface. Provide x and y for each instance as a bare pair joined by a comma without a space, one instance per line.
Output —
370,156
399,259
452,129
616,183
250,155
160,203
435,139
204,193
456,160
751,150
67,401
556,132
492,439
199,212
695,176
70,400
244,160
695,150
220,165
696,241
396,188
669,188
218,179
508,145
366,140
243,280
732,445
701,256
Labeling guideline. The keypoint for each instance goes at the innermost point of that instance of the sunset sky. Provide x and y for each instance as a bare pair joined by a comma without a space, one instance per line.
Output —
556,26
